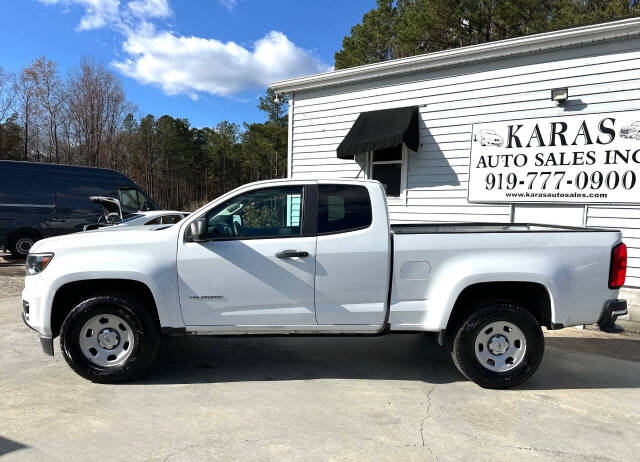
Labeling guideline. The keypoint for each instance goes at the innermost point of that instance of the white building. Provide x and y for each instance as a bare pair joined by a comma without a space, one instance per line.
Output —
490,132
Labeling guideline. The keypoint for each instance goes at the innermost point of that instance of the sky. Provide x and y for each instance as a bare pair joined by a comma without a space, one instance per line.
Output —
205,60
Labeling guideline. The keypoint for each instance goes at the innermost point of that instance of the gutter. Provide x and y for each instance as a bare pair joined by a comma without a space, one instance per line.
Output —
482,52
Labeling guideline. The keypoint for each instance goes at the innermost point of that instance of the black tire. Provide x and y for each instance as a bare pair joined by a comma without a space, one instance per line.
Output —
144,329
463,348
21,242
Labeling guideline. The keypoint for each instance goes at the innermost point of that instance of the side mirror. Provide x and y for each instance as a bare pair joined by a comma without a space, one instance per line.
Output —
197,230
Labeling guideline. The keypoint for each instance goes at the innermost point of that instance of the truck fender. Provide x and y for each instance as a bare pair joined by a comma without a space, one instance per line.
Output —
166,299
543,272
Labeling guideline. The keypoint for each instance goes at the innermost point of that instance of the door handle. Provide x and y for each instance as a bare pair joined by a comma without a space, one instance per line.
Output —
292,254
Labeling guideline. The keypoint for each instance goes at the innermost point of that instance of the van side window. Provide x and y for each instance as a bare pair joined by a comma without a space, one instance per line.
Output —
343,208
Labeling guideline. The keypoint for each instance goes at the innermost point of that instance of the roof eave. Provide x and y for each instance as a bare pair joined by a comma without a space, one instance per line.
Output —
464,55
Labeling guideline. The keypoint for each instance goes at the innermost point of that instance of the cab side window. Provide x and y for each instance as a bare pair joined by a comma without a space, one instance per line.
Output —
343,208
263,213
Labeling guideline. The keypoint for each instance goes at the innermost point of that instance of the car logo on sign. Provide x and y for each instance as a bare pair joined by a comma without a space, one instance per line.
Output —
488,137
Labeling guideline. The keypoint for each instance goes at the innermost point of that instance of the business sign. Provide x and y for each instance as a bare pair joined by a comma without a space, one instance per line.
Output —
591,158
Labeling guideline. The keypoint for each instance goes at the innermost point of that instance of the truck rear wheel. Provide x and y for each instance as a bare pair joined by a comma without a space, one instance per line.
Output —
500,345
109,338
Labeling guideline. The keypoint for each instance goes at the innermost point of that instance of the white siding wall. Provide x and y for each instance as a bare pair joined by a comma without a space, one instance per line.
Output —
626,219
600,77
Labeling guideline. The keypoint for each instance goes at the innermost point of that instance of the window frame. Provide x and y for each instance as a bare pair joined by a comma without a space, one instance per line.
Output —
309,220
307,224
404,163
342,231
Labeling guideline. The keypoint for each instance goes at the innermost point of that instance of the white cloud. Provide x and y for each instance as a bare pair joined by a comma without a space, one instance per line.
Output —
150,8
98,13
180,64
101,13
228,4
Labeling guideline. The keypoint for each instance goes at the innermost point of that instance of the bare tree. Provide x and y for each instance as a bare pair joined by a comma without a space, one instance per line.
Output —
50,97
7,94
97,108
26,108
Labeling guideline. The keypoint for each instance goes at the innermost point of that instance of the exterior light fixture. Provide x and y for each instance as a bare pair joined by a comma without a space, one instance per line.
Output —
560,95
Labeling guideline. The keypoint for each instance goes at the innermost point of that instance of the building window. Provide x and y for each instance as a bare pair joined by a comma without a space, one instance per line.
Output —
388,166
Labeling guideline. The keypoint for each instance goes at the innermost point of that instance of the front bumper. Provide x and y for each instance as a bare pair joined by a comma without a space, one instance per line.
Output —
46,342
34,312
612,310
34,295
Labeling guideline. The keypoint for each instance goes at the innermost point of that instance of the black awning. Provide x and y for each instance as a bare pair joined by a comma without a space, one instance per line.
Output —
381,129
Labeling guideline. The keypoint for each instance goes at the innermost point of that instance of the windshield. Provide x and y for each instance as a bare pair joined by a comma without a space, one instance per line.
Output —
133,200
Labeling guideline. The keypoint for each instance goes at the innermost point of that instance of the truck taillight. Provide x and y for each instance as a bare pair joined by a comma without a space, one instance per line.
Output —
618,271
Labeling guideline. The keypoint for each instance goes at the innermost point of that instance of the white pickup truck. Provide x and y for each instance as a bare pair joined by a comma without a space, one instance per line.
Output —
319,257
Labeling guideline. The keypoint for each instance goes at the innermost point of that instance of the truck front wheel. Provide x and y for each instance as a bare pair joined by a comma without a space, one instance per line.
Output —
109,338
499,345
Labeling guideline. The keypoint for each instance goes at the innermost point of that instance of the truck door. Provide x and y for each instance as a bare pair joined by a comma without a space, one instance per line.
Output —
352,255
258,266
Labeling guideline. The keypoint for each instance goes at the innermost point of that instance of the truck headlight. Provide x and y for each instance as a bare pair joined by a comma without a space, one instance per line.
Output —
37,262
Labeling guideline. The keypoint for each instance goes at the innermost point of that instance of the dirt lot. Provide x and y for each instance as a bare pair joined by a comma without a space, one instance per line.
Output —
385,398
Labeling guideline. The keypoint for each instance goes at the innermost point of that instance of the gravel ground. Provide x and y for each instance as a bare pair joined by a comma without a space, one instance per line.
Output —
11,279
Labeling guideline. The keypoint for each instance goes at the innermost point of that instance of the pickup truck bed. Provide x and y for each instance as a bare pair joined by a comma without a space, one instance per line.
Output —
436,263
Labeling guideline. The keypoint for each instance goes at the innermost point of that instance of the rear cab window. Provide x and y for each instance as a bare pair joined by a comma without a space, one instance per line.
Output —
343,208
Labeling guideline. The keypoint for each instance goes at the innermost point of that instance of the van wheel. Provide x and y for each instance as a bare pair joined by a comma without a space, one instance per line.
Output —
109,338
21,242
500,345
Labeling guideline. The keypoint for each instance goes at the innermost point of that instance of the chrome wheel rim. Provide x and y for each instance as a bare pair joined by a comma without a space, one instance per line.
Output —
24,244
500,346
106,340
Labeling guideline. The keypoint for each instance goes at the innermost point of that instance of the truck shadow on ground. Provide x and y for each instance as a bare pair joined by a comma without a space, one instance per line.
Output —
210,359
569,363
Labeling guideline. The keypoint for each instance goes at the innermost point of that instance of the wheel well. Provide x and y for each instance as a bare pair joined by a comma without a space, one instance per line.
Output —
70,294
531,295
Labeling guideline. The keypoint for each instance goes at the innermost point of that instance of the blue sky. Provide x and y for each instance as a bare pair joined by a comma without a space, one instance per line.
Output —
206,60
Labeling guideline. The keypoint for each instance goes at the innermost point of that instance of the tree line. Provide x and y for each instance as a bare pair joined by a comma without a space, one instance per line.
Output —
85,118
402,28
